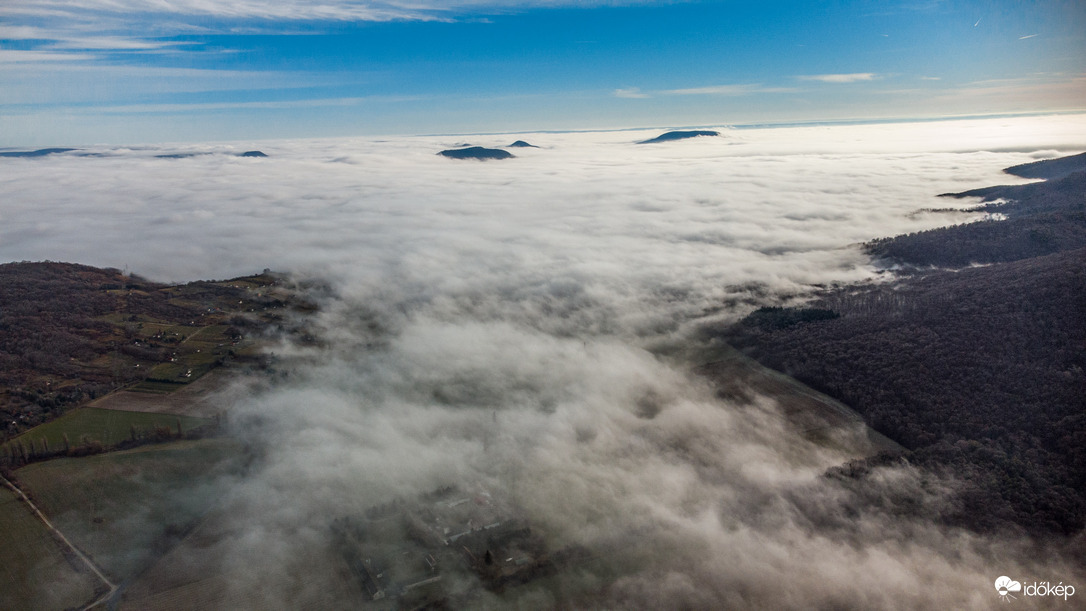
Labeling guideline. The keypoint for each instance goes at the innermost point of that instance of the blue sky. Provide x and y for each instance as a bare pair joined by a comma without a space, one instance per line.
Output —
132,71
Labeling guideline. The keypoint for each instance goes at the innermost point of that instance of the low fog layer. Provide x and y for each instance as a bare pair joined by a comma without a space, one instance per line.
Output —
490,325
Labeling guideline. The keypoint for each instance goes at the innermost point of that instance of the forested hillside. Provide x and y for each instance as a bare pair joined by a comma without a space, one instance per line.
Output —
69,333
979,371
1040,219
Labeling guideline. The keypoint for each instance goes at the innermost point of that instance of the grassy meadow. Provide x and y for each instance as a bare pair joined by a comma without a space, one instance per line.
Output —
34,570
106,426
125,508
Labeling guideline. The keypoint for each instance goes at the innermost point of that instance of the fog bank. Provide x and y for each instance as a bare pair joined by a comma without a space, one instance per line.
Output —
492,325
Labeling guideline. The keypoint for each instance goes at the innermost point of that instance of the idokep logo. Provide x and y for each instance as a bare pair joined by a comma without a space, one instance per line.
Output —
1006,586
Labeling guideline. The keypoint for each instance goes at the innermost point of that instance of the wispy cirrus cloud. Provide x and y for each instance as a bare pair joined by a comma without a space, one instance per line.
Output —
68,36
142,26
333,10
630,93
14,56
732,90
40,78
854,77
20,32
113,43
263,105
324,10
729,90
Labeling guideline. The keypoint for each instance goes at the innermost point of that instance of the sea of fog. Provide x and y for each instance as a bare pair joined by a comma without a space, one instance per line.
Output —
490,324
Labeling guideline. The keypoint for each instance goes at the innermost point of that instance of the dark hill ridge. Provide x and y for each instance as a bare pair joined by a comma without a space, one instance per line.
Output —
476,152
70,333
188,155
1033,198
1050,168
52,151
977,371
522,144
37,153
1041,218
669,136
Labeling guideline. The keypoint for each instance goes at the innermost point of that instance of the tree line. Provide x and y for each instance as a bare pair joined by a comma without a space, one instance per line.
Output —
978,370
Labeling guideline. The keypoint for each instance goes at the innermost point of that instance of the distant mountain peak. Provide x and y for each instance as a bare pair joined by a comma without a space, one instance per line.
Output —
1049,169
669,136
476,152
37,153
523,144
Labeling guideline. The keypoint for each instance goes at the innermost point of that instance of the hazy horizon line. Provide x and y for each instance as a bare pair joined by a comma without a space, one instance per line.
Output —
737,126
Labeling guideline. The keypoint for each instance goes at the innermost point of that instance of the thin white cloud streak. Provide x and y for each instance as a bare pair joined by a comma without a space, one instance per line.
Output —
489,328
113,43
82,36
73,79
712,90
22,32
856,77
632,93
729,90
341,10
251,9
9,57
214,106
56,62
726,90
109,24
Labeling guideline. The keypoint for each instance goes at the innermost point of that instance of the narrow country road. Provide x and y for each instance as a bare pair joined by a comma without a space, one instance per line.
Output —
59,535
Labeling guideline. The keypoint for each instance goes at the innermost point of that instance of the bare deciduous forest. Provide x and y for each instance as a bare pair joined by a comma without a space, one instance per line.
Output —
978,370
70,333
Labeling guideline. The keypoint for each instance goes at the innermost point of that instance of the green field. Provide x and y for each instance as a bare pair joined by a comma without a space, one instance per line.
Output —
107,426
194,351
158,388
126,508
34,573
202,349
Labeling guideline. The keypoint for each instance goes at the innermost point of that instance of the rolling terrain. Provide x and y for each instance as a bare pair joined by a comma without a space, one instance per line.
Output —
72,333
130,482
894,420
977,369
107,482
